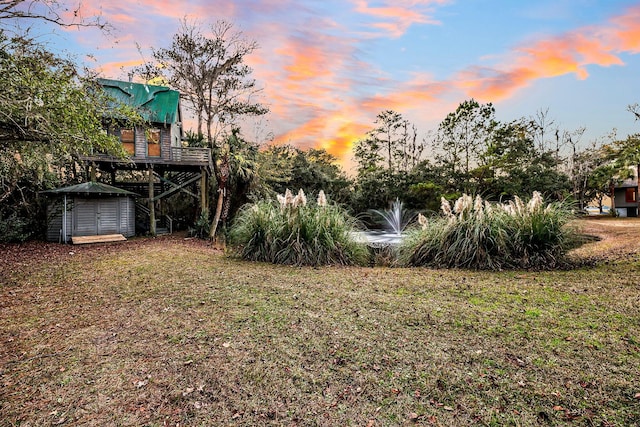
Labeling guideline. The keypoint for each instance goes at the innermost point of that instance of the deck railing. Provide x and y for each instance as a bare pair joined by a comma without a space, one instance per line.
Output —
190,154
187,155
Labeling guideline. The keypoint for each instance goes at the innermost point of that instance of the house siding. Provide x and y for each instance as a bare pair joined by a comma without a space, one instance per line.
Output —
84,217
127,211
165,142
55,223
141,143
620,198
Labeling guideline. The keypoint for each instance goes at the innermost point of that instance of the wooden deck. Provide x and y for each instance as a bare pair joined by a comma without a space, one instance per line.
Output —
178,158
102,238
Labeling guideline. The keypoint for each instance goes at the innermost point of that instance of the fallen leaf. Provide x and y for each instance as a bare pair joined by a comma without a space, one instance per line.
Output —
226,345
413,416
558,408
636,396
448,408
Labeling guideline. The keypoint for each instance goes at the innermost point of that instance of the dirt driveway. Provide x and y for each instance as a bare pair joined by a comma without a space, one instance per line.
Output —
618,238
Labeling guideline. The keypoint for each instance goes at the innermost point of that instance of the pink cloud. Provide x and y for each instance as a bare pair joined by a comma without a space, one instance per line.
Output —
569,53
397,16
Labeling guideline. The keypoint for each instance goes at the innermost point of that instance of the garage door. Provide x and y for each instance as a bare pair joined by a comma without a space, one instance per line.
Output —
95,216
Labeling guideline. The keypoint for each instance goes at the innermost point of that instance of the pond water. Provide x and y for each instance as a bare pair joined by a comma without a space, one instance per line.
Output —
378,238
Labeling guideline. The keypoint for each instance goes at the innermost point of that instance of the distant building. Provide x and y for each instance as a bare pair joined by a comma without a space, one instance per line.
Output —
624,198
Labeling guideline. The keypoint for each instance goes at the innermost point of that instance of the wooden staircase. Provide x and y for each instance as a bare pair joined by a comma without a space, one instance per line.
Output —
165,186
164,224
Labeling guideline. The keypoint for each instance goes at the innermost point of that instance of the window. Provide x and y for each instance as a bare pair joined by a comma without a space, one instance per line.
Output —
153,142
630,195
127,136
153,136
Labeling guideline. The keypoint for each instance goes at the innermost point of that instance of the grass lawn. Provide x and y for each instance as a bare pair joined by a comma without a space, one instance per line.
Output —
171,332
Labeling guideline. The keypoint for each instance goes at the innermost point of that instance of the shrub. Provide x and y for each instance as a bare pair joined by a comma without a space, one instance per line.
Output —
476,234
201,227
14,229
295,232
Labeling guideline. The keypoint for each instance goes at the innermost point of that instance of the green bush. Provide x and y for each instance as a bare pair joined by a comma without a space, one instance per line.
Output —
295,232
476,234
201,227
14,229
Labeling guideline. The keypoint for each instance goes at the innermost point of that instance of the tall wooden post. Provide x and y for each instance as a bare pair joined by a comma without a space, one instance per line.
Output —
152,205
204,205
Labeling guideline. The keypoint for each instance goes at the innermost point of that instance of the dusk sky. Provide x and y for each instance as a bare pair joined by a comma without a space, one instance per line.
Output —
329,67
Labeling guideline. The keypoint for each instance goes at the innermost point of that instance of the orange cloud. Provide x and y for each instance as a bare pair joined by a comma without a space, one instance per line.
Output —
347,134
625,33
565,54
336,132
117,69
309,62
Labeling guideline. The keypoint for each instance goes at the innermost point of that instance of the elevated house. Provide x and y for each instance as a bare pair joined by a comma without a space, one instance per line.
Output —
162,164
625,198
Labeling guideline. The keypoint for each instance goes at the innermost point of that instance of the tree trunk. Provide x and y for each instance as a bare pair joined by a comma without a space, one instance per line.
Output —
216,218
222,184
612,195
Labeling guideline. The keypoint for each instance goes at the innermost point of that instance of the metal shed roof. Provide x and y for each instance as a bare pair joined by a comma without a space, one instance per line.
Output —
91,189
156,104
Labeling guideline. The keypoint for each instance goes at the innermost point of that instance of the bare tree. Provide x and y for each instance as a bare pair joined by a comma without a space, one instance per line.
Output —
51,11
542,123
207,67
210,73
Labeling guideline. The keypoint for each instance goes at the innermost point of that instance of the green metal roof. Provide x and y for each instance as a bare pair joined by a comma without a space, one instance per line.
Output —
91,189
156,104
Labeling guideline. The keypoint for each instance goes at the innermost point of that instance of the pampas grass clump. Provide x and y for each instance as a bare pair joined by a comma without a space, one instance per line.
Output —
296,232
478,235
